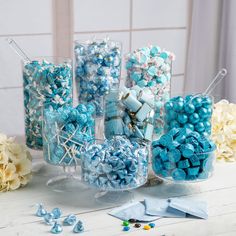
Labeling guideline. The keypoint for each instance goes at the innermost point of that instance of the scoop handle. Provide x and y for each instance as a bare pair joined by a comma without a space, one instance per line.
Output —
220,75
18,50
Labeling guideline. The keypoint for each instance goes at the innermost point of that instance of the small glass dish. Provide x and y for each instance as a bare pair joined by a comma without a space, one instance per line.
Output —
114,168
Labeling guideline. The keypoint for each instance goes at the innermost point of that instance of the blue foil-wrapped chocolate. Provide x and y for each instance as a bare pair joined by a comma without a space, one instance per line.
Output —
192,111
182,155
115,164
150,67
130,112
45,84
66,131
98,65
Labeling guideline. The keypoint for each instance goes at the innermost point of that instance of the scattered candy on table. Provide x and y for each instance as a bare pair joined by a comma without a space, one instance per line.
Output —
183,154
137,225
98,65
152,225
151,67
53,217
224,130
40,211
125,223
45,84
78,228
69,220
15,164
56,229
66,131
130,112
115,164
126,228
193,112
146,227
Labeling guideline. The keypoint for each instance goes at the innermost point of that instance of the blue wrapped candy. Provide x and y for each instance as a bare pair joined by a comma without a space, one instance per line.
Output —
115,164
98,65
192,112
130,112
151,67
45,84
66,131
183,154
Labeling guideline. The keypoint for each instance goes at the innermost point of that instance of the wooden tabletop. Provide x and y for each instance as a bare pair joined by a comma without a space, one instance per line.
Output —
17,208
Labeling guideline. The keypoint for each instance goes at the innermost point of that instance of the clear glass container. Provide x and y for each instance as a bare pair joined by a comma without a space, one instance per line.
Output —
130,112
47,81
196,168
97,70
111,166
193,111
66,132
151,67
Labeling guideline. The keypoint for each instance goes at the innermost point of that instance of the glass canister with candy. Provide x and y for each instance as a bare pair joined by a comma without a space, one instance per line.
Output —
130,112
66,132
151,67
114,166
183,155
98,65
46,82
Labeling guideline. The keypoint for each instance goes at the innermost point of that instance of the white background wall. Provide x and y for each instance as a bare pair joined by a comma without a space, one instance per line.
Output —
133,22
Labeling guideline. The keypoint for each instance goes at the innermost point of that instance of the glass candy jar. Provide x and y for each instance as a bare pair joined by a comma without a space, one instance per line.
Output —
46,82
151,67
98,65
191,111
66,131
130,112
183,155
115,165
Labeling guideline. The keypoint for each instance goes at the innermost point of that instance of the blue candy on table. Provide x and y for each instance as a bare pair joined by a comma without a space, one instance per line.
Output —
182,154
115,164
78,228
130,112
151,67
66,131
98,65
45,84
69,220
192,111
56,229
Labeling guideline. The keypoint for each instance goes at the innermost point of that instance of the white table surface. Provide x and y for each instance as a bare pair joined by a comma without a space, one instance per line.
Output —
17,208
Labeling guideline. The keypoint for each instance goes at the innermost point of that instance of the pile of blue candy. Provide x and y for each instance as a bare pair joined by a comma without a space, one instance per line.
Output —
193,112
183,154
115,164
98,65
66,131
130,112
45,84
52,218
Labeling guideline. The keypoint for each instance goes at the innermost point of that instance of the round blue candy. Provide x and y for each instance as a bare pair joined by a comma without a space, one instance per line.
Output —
200,127
182,118
189,108
126,228
178,174
187,150
194,118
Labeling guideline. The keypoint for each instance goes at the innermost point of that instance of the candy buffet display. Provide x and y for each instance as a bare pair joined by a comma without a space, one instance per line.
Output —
15,164
151,67
192,111
224,130
66,130
47,82
115,164
130,112
182,154
98,65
